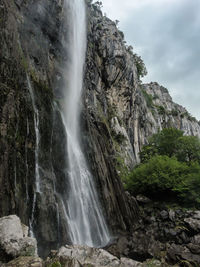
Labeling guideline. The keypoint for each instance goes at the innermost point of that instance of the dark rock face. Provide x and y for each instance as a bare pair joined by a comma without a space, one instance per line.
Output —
114,96
170,235
116,118
31,51
31,78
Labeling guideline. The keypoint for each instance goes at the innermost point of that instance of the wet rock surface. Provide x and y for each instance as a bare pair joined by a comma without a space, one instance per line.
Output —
156,241
33,40
167,234
117,117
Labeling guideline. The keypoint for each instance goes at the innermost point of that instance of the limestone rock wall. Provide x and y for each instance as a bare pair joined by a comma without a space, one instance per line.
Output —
115,97
33,40
30,60
117,116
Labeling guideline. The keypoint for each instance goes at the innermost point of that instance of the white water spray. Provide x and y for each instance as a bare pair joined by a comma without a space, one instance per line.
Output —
37,174
83,211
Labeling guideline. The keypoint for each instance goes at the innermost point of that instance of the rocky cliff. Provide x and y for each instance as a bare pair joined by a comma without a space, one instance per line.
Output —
130,111
118,116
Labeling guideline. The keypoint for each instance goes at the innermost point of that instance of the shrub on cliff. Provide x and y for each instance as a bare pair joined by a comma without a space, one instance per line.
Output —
165,175
170,163
159,174
171,142
188,149
141,68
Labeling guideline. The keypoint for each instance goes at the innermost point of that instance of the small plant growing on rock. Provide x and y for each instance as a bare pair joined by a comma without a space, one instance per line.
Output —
55,264
141,68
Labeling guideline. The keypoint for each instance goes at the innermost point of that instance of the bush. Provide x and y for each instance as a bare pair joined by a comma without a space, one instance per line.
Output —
171,142
159,174
148,98
165,175
170,163
189,187
188,149
162,143
161,110
140,66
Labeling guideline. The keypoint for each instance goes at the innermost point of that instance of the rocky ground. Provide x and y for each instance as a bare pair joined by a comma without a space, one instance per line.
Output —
163,236
165,232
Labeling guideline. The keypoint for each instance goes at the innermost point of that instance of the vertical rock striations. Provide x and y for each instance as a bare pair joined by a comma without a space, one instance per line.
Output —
129,110
31,52
118,116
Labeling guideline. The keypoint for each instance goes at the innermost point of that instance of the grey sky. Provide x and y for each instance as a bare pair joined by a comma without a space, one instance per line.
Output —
166,34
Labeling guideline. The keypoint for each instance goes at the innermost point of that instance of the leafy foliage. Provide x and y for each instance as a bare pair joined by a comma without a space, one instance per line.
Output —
170,163
148,98
159,174
141,68
161,110
171,142
188,149
188,189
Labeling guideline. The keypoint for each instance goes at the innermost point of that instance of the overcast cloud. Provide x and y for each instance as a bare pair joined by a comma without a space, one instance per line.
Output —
166,33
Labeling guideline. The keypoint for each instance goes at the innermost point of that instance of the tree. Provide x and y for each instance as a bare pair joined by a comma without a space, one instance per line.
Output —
98,4
170,163
171,142
165,176
140,66
188,149
162,143
159,174
188,189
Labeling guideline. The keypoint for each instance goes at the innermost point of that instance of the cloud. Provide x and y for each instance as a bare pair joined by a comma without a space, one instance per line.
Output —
166,34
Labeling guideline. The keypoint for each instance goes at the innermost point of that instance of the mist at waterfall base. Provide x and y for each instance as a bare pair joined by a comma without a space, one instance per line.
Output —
82,209
78,213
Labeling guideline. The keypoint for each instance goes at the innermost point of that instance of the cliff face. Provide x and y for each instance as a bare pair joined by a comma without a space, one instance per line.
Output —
32,140
30,52
129,110
117,118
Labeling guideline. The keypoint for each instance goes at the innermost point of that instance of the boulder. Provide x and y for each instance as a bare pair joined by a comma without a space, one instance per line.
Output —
125,262
84,256
25,262
177,253
164,214
142,199
14,241
196,239
193,223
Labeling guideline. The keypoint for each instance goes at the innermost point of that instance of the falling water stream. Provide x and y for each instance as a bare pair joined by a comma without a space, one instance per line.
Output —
83,211
37,174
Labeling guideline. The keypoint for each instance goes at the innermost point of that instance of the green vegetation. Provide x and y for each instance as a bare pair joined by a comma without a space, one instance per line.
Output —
161,110
171,142
170,166
174,112
141,68
188,116
148,98
55,264
151,263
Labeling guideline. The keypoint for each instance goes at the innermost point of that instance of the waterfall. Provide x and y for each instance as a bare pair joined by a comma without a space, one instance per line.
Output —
82,209
37,135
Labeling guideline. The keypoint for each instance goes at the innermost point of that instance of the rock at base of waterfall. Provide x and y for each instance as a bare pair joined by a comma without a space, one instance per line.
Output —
14,240
25,262
78,256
